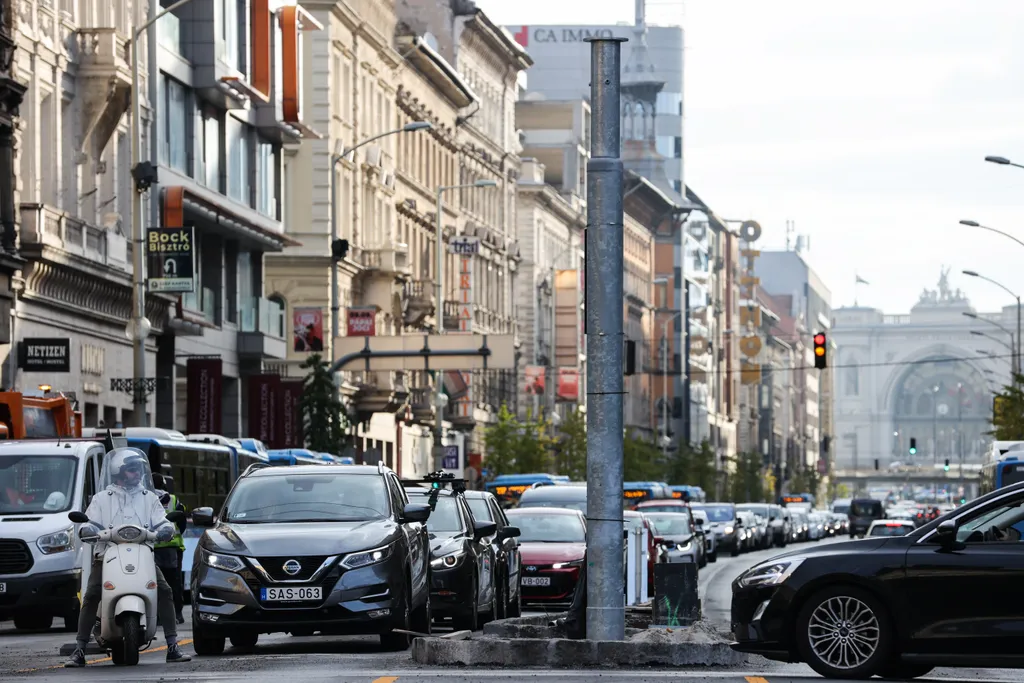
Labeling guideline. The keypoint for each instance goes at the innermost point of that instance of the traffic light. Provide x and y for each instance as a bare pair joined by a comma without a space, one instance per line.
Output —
913,446
876,463
629,359
946,466
819,351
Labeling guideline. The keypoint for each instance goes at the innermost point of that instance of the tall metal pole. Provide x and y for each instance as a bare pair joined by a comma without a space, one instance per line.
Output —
605,292
439,313
1018,336
664,387
139,332
552,360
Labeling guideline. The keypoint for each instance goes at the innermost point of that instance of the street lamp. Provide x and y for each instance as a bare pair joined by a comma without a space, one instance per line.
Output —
1006,289
664,368
1002,161
441,399
976,224
335,160
1009,346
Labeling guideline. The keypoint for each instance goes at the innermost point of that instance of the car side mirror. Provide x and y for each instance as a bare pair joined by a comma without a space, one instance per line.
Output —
176,516
945,533
201,517
739,523
699,522
78,517
414,512
484,529
507,532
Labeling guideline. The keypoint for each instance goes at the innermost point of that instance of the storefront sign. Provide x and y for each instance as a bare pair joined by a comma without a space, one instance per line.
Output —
362,321
566,34
290,431
204,381
464,246
535,380
465,300
450,460
171,259
45,355
750,311
308,326
264,392
568,385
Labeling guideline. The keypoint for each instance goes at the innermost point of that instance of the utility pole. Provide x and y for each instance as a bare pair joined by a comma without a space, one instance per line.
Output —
605,348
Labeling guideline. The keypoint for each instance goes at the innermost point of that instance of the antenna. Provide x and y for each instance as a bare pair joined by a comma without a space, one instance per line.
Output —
789,233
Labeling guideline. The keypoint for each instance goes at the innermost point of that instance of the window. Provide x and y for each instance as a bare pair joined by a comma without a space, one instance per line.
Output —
90,482
211,149
266,179
176,129
852,380
238,143
232,46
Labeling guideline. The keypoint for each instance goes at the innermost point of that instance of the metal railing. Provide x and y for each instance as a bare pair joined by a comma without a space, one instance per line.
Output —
43,224
262,315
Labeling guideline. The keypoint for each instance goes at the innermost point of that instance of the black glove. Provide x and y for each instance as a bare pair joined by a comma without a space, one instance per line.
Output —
165,499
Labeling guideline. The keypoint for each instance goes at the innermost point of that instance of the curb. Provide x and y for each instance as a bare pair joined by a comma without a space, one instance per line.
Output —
561,653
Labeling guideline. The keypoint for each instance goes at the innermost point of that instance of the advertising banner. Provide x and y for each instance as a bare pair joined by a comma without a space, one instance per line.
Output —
308,326
362,321
535,380
170,258
264,392
568,385
289,416
204,380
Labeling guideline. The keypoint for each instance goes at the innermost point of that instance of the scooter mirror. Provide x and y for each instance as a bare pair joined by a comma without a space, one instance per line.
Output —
78,517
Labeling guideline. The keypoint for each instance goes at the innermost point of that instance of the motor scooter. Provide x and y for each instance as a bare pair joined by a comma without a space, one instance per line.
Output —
128,601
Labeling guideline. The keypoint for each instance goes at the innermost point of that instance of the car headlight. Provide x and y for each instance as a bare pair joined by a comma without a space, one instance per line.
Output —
228,563
59,542
448,561
367,557
566,565
729,530
770,573
684,547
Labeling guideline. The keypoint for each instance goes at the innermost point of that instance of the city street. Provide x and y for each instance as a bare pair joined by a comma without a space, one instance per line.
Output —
35,657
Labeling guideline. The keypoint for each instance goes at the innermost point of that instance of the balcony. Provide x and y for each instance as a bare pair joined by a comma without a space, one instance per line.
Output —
392,261
421,402
104,80
261,330
418,304
488,389
45,227
378,392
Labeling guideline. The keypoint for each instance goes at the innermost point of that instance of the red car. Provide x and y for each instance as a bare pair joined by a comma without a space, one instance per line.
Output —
553,546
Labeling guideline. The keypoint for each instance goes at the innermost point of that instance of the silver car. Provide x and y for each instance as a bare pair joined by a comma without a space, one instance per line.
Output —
675,535
710,541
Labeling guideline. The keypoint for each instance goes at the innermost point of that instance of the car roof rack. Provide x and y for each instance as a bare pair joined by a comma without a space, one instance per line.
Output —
254,467
440,480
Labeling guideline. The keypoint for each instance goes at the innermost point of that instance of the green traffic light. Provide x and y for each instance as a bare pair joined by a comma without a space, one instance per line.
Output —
913,451
946,468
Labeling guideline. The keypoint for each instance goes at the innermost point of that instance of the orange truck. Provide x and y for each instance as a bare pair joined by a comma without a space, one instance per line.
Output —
33,417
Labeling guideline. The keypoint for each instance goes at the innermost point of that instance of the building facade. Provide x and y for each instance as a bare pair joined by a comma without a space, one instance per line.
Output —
12,92
927,375
73,202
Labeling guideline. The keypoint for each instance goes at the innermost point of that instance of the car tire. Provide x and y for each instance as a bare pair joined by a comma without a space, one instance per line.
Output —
423,616
397,642
500,599
34,622
245,641
203,642
713,557
470,620
735,550
904,671
873,633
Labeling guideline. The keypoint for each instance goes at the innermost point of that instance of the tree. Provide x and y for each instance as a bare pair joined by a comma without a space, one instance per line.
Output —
641,460
533,453
323,414
1008,411
571,450
502,441
703,470
747,483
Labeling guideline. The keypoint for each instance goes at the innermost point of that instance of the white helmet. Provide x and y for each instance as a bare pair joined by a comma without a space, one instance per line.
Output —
118,463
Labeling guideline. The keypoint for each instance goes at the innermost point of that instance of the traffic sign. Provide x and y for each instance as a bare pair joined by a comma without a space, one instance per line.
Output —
450,461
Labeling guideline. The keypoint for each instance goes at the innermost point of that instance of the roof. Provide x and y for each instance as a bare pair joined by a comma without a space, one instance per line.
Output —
561,492
315,469
438,71
50,447
553,511
478,494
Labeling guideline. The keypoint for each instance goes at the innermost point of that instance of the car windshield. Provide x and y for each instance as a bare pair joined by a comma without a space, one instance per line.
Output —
632,522
720,513
541,528
756,509
866,508
480,509
890,530
670,524
34,484
307,498
647,509
580,505
445,517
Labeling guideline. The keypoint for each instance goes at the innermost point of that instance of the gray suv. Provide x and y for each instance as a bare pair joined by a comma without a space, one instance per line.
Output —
337,549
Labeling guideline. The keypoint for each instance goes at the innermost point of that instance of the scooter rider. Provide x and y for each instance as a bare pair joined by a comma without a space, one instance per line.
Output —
128,499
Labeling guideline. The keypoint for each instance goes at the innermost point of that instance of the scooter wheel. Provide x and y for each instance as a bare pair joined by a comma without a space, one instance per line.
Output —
126,653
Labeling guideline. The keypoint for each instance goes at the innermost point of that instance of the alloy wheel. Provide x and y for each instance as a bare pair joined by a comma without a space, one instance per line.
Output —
843,632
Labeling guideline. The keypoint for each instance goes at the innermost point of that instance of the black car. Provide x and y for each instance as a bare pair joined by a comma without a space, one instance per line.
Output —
462,560
942,595
724,525
864,511
338,549
485,508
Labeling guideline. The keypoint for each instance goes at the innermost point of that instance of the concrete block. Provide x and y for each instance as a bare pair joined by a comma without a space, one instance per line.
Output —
574,653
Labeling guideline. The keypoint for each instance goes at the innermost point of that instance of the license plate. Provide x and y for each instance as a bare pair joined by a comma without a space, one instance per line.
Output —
3,587
536,580
290,594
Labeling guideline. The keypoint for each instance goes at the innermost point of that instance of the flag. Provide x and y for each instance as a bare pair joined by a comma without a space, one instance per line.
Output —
861,281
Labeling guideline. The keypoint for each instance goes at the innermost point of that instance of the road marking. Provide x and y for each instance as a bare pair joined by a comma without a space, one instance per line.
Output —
392,679
162,648
756,679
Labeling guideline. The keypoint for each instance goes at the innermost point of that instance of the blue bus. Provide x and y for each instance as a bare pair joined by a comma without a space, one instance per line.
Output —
689,494
296,456
508,488
634,492
1000,473
797,498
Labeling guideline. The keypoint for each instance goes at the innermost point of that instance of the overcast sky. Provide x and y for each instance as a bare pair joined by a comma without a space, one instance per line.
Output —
864,123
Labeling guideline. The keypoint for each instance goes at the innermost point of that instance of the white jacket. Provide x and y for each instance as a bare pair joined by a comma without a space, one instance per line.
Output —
116,505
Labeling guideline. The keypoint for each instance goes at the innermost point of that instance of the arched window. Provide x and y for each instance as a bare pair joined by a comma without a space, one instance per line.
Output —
852,378
278,309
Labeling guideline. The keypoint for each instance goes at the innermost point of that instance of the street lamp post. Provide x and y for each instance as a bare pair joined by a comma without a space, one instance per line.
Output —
664,379
1009,347
1006,289
335,255
1002,161
440,399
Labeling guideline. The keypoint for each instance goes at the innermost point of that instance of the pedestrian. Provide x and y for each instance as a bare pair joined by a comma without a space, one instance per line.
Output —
127,498
170,554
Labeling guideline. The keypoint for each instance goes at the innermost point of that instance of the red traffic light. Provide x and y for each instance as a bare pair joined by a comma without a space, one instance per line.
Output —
819,339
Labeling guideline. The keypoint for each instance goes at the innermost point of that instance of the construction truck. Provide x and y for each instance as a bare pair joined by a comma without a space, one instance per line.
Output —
50,416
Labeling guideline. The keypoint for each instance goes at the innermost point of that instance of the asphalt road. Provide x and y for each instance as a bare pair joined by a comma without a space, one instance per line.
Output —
34,657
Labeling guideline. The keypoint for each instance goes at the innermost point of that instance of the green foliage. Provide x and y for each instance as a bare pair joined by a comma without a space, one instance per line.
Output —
747,485
323,414
641,460
515,447
571,450
534,448
1008,411
703,469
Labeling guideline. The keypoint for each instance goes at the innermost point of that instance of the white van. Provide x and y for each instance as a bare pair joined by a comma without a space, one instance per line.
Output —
41,558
